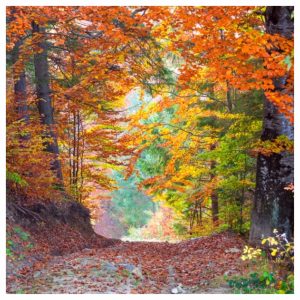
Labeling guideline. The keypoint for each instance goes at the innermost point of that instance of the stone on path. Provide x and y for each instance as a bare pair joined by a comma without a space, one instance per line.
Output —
232,250
178,290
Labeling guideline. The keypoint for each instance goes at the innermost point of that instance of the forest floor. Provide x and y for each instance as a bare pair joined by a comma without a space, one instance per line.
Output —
191,266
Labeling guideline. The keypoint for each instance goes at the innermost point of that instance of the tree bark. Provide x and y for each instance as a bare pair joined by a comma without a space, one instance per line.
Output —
273,204
228,97
19,82
44,101
214,195
20,86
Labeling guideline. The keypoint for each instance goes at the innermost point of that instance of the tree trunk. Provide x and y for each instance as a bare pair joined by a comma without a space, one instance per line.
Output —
44,101
20,87
19,81
273,205
228,97
214,195
20,97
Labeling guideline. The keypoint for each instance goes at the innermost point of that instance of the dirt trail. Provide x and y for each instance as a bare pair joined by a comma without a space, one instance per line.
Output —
192,266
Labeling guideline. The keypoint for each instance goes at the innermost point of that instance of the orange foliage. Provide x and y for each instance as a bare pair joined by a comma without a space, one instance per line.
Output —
160,225
98,54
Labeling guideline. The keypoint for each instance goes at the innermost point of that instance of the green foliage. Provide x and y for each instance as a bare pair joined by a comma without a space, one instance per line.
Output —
152,162
16,178
10,245
254,284
288,61
236,170
281,258
180,229
17,242
286,286
130,206
9,252
262,283
30,246
22,234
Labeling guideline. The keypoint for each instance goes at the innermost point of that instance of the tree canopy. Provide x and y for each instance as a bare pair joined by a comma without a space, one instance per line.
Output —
201,77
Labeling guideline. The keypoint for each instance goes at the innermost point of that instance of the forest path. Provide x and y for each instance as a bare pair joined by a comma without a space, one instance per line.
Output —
192,266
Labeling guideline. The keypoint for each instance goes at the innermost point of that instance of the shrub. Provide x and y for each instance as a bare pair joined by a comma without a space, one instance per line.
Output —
280,279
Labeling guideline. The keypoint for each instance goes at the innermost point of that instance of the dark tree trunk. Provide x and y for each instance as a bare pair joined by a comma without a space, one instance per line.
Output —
228,97
214,206
44,100
20,86
19,82
273,204
74,151
214,195
20,96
